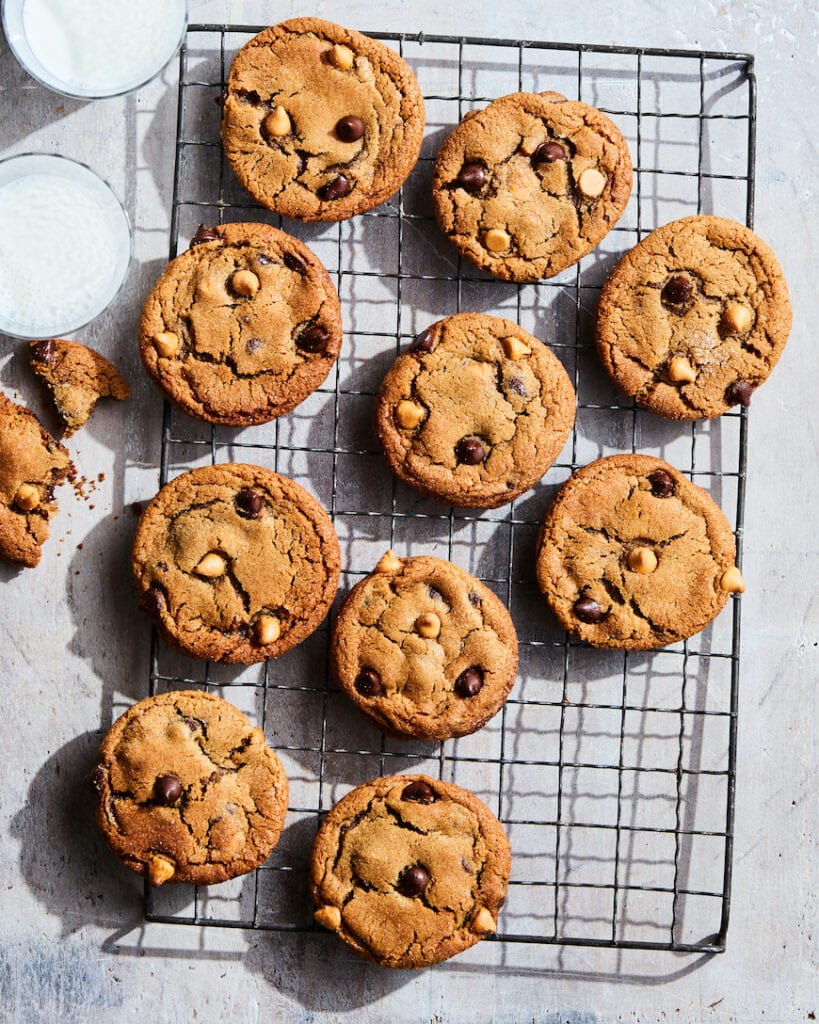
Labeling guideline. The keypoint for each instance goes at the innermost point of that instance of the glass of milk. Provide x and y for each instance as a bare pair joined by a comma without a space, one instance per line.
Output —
65,245
90,49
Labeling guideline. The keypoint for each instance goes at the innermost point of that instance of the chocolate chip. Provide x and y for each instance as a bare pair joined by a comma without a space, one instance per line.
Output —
313,339
98,778
264,260
43,352
469,683
434,593
662,483
249,96
472,177
336,188
350,128
153,601
517,385
368,683
474,599
739,392
254,344
678,291
167,789
419,792
588,610
549,153
204,234
413,881
222,97
250,503
470,451
194,724
424,342
292,262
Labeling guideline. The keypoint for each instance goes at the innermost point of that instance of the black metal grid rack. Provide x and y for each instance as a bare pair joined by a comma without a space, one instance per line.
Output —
613,773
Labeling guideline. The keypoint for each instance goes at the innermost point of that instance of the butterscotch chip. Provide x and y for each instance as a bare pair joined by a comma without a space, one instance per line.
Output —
328,917
591,183
277,122
244,282
681,371
496,240
642,560
732,581
736,317
188,790
268,629
27,497
388,562
514,348
211,566
166,343
428,625
409,414
410,877
341,57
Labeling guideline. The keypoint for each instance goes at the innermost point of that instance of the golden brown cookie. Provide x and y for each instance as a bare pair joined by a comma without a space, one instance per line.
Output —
527,186
188,790
632,555
424,649
77,377
409,870
241,327
32,464
235,563
321,122
475,412
693,319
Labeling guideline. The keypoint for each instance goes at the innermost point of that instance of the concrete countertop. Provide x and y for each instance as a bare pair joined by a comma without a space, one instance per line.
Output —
74,946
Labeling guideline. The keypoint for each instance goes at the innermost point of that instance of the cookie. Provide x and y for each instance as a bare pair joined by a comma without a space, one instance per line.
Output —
188,790
475,412
409,870
530,184
320,122
632,555
32,464
77,378
693,319
241,327
424,649
235,563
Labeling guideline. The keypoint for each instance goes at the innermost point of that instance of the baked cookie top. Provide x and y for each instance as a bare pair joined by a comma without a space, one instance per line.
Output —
475,412
242,327
32,464
632,555
409,870
321,122
188,789
527,186
424,649
77,377
693,319
235,563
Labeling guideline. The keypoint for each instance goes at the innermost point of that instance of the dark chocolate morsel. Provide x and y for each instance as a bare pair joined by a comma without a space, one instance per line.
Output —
549,153
313,339
677,291
336,188
368,683
588,610
263,259
204,234
292,262
98,778
474,599
350,128
419,792
221,97
469,683
43,352
424,342
153,601
739,392
167,789
253,345
472,176
250,503
517,385
413,880
470,451
662,483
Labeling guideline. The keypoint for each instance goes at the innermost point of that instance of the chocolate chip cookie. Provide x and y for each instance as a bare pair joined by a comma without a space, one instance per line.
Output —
235,563
409,870
632,555
188,790
32,464
241,327
424,649
475,412
77,378
527,186
693,319
321,122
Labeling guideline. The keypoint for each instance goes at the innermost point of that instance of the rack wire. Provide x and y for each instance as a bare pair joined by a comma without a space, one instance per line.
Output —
612,772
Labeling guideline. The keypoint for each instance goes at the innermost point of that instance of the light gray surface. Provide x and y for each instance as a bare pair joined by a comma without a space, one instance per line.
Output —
74,648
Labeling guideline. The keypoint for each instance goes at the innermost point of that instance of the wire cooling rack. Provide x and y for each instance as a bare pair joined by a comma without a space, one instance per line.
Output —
612,772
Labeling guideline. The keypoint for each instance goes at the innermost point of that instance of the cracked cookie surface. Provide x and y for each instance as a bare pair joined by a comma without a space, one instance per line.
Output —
475,412
424,649
235,563
632,555
694,318
530,184
242,327
32,464
188,789
321,122
77,377
409,870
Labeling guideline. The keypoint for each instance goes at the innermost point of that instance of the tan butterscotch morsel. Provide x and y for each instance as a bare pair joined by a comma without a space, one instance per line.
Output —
166,343
410,870
591,183
496,240
235,563
353,126
428,625
732,581
515,349
244,283
27,497
188,790
409,414
597,561
694,318
389,562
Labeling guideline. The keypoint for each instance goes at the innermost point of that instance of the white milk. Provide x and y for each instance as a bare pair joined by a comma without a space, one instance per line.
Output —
59,255
103,46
